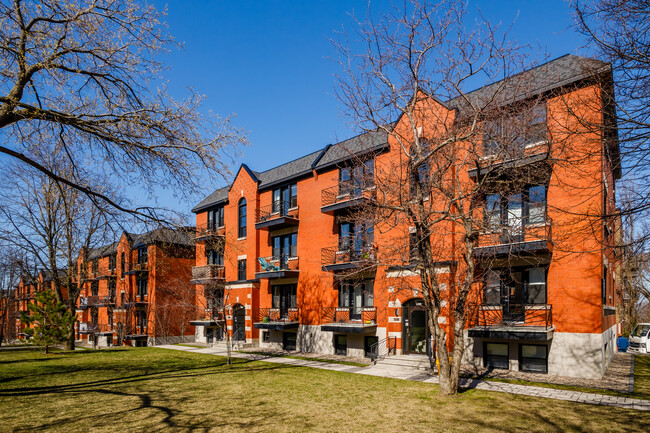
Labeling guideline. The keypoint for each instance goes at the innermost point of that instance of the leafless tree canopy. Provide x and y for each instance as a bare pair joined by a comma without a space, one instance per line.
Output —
85,75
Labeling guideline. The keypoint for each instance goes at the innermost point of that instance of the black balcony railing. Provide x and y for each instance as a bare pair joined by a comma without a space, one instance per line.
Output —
362,315
279,209
266,315
348,256
208,273
135,268
352,192
481,315
283,262
516,238
93,328
209,231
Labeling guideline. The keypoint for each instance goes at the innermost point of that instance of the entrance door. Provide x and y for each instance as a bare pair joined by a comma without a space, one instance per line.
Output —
284,297
416,332
239,323
209,335
512,297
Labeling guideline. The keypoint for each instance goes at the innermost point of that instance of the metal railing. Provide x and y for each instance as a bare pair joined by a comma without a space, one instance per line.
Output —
509,234
278,209
266,315
383,347
138,267
345,191
205,231
209,272
93,328
364,315
510,315
96,301
210,314
337,255
283,262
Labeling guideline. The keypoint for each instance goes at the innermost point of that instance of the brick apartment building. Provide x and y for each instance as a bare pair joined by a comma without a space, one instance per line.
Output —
275,250
25,294
136,291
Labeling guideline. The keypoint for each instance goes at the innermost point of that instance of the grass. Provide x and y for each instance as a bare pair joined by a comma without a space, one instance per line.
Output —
149,389
641,382
308,358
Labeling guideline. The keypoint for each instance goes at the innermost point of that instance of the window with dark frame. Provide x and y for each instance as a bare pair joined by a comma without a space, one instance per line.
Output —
95,266
413,248
112,262
142,286
143,255
94,288
285,246
214,256
354,179
495,282
355,235
496,355
511,133
241,269
285,198
241,233
533,358
528,208
357,294
122,265
215,218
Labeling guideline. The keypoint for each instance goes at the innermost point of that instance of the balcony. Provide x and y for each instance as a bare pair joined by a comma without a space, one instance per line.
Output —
345,196
338,259
137,301
353,320
207,232
282,266
137,268
511,321
276,216
276,319
208,274
209,317
94,328
105,273
526,239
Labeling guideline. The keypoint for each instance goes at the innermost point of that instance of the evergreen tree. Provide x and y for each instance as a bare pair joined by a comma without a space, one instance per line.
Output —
48,319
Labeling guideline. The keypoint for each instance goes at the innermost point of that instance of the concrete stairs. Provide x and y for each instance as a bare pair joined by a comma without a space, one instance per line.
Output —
405,362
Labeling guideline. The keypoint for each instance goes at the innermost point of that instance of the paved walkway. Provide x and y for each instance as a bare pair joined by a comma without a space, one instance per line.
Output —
414,375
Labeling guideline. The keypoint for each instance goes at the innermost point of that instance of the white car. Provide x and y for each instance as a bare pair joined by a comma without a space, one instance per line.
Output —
639,339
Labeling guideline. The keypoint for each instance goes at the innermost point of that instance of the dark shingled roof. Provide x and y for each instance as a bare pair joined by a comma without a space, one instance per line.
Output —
47,275
554,74
179,236
95,253
363,143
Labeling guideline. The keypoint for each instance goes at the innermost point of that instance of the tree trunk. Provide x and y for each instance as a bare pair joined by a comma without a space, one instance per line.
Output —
69,343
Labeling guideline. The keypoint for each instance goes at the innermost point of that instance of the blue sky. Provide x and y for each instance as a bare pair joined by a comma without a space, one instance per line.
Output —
269,62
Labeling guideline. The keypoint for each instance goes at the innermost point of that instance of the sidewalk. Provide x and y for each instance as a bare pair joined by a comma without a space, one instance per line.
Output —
405,374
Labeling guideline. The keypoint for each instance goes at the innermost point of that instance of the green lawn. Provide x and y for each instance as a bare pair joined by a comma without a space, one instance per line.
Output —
153,389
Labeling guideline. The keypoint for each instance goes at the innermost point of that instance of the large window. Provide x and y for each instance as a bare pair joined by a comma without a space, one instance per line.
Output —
354,179
285,245
515,286
214,256
95,266
142,285
122,265
355,235
516,209
284,297
215,218
357,294
285,198
241,269
242,218
112,262
94,288
508,135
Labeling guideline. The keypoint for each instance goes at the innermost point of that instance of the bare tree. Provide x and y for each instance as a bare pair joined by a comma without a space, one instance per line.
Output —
9,277
87,76
51,222
618,32
428,200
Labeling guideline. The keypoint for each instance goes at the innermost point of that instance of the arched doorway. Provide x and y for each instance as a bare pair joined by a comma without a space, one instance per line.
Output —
415,331
239,323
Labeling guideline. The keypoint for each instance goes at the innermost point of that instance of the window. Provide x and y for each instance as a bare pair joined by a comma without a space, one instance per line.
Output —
536,286
241,269
94,288
423,170
355,235
141,319
496,355
413,247
142,284
352,180
214,257
109,312
537,204
242,218
122,265
112,262
357,294
285,246
143,255
341,345
509,134
493,210
289,340
285,198
95,266
284,297
215,218
533,358
492,289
